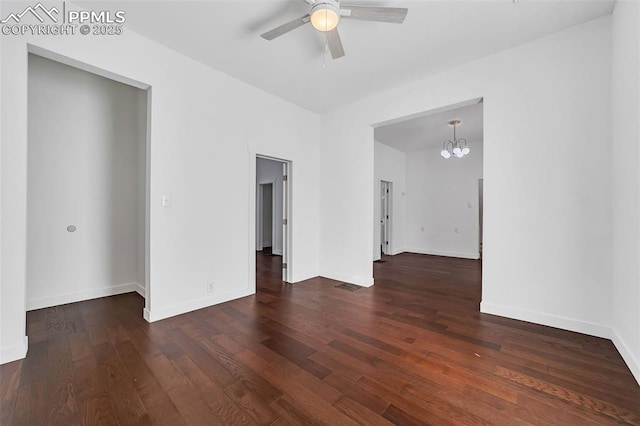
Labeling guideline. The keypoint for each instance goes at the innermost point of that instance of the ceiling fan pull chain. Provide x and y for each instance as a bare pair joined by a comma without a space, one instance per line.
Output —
324,51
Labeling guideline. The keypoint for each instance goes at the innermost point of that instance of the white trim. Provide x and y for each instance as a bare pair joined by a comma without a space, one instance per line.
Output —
140,289
474,256
57,57
14,352
146,314
79,296
194,305
551,320
627,355
303,278
362,282
276,252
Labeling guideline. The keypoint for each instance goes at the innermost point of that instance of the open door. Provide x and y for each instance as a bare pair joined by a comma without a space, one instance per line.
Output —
480,212
285,222
385,217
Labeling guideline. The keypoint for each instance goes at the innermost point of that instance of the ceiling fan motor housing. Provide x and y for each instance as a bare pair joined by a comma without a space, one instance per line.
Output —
325,15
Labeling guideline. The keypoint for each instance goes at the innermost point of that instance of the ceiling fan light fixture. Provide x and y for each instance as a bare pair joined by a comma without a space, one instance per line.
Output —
325,16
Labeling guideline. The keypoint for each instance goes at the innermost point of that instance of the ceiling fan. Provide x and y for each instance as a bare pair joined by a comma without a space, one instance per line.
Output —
325,15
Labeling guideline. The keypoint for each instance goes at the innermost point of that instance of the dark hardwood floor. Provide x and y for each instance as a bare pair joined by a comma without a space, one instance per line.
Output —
413,349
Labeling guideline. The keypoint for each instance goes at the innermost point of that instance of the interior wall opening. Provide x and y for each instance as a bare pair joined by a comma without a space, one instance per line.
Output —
273,237
431,164
87,195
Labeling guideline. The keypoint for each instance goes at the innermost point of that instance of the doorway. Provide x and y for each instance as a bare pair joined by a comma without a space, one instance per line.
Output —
87,186
272,213
385,217
437,205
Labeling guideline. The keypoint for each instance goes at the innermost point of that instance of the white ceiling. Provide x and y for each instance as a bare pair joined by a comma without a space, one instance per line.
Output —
436,35
431,129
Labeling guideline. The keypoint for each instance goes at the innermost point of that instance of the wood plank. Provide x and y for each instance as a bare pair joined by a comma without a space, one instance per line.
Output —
213,395
9,386
185,398
358,413
125,400
156,401
307,401
32,405
93,397
258,410
63,406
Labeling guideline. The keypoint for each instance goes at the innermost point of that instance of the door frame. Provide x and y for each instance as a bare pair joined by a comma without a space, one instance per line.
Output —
287,213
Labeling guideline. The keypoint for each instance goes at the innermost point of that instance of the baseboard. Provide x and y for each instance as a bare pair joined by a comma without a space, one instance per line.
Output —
140,290
632,362
14,352
193,305
461,255
362,282
79,296
277,252
550,320
300,278
393,253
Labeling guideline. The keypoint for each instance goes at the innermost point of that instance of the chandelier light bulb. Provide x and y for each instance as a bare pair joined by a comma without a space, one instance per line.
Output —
460,154
445,153
457,151
465,150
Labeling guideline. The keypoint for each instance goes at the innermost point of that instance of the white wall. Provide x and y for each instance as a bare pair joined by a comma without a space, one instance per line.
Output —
547,214
625,114
85,134
271,171
390,167
201,152
442,195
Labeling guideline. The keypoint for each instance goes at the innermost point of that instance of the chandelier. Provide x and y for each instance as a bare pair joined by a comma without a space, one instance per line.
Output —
456,147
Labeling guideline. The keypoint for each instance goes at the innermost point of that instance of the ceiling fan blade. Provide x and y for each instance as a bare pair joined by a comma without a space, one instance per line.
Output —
335,44
393,15
285,28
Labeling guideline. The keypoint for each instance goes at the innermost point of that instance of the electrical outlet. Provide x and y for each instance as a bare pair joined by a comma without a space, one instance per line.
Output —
456,230
210,287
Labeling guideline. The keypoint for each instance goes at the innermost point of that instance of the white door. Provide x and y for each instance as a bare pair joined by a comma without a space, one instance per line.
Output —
285,222
385,217
480,212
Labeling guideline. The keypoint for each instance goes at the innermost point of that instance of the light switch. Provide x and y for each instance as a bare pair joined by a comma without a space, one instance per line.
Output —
166,202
